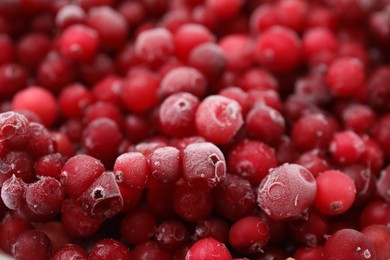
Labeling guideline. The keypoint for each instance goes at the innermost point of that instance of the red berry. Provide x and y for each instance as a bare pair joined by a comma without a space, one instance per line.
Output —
206,247
287,192
335,192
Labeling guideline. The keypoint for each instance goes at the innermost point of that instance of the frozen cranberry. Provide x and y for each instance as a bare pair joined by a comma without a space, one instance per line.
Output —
346,147
19,164
379,235
346,77
55,71
138,226
235,198
13,192
292,13
41,141
171,235
103,198
96,143
265,124
191,204
139,91
78,223
211,165
182,79
251,160
206,247
268,97
238,51
312,131
213,227
177,114
380,132
287,192
249,235
151,250
376,212
109,249
358,118
336,192
279,49
69,251
12,79
74,99
355,246
10,229
132,170
209,59
69,15
45,196
259,79
373,157
218,119
32,244
318,40
14,129
32,48
154,46
39,101
110,26
78,174
189,36
88,4
165,165
351,11
79,43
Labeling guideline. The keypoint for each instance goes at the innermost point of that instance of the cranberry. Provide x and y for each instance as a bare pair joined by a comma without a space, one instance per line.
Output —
356,245
109,249
249,235
218,119
39,101
238,51
279,49
69,251
10,229
12,79
32,48
171,235
335,192
138,226
213,227
32,243
251,160
346,147
151,250
74,99
379,235
80,165
205,247
165,164
13,192
79,43
287,192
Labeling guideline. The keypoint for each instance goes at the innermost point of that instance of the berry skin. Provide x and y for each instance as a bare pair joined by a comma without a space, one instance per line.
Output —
109,249
335,192
79,43
279,49
210,167
32,244
218,119
39,101
287,192
355,246
208,248
346,78
249,235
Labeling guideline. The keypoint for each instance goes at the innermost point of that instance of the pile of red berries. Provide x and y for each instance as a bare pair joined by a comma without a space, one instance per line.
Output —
195,129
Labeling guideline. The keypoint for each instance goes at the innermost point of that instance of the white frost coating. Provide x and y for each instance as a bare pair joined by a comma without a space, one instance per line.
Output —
367,254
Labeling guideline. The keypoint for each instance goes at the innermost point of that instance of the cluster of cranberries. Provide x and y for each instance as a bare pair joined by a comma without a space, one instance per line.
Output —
195,129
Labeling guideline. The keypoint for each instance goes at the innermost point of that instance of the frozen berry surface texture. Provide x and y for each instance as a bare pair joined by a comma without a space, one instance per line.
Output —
195,129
